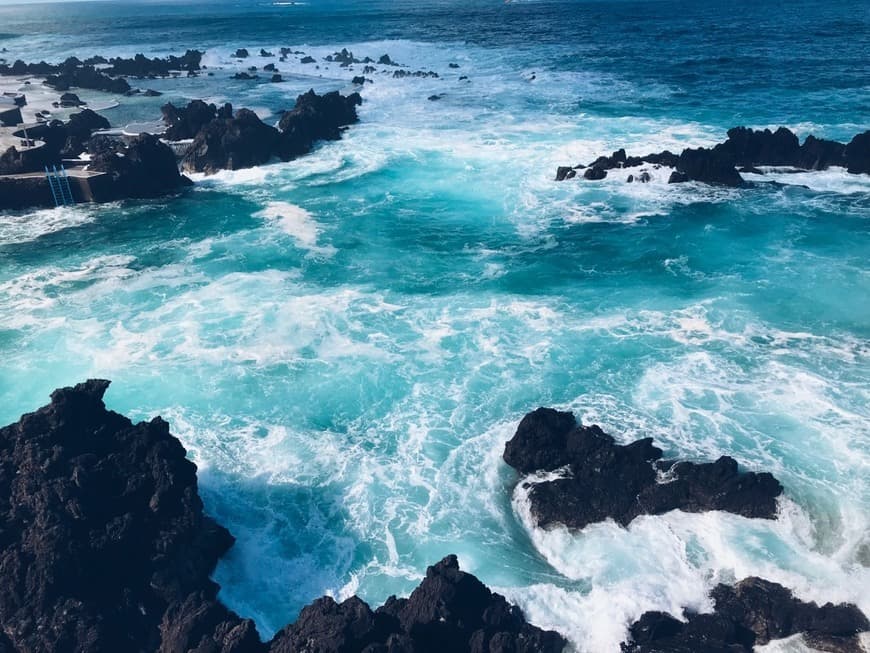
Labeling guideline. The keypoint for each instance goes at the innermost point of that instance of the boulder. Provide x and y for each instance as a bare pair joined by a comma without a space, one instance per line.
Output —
241,53
604,480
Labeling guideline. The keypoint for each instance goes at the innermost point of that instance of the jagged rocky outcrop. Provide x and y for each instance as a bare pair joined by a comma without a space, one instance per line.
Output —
242,140
104,547
142,167
186,122
745,149
752,612
317,118
450,610
604,480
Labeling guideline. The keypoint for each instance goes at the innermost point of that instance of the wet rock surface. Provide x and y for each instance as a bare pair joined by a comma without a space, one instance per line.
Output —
752,612
104,547
604,480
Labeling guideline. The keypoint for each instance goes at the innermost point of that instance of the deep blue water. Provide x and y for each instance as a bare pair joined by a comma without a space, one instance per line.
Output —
345,342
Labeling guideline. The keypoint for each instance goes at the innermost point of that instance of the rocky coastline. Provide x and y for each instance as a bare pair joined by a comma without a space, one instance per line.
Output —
105,167
105,547
744,151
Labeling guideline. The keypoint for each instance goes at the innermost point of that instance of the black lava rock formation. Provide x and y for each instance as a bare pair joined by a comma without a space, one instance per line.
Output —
104,547
605,480
144,167
752,612
746,149
227,141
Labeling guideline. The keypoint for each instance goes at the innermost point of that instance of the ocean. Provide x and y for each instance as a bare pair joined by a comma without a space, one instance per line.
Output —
345,342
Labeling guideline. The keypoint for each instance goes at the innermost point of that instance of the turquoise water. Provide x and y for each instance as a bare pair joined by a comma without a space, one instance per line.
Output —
344,343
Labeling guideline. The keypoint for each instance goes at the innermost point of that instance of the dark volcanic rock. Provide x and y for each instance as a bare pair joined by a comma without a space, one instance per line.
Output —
449,611
307,60
820,154
709,166
594,173
316,117
226,141
605,480
87,77
79,129
753,612
276,78
241,53
242,141
105,548
858,154
145,167
102,528
142,66
183,123
749,147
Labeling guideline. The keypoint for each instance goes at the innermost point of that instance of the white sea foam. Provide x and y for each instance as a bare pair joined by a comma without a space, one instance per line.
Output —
297,223
28,226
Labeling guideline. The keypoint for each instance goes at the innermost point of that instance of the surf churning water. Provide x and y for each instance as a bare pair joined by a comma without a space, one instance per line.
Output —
345,342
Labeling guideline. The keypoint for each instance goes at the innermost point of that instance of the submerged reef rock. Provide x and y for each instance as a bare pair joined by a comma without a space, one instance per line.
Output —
604,480
746,149
104,547
223,141
752,612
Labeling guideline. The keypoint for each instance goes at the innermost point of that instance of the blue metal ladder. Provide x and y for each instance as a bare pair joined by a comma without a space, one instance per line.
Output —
58,182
